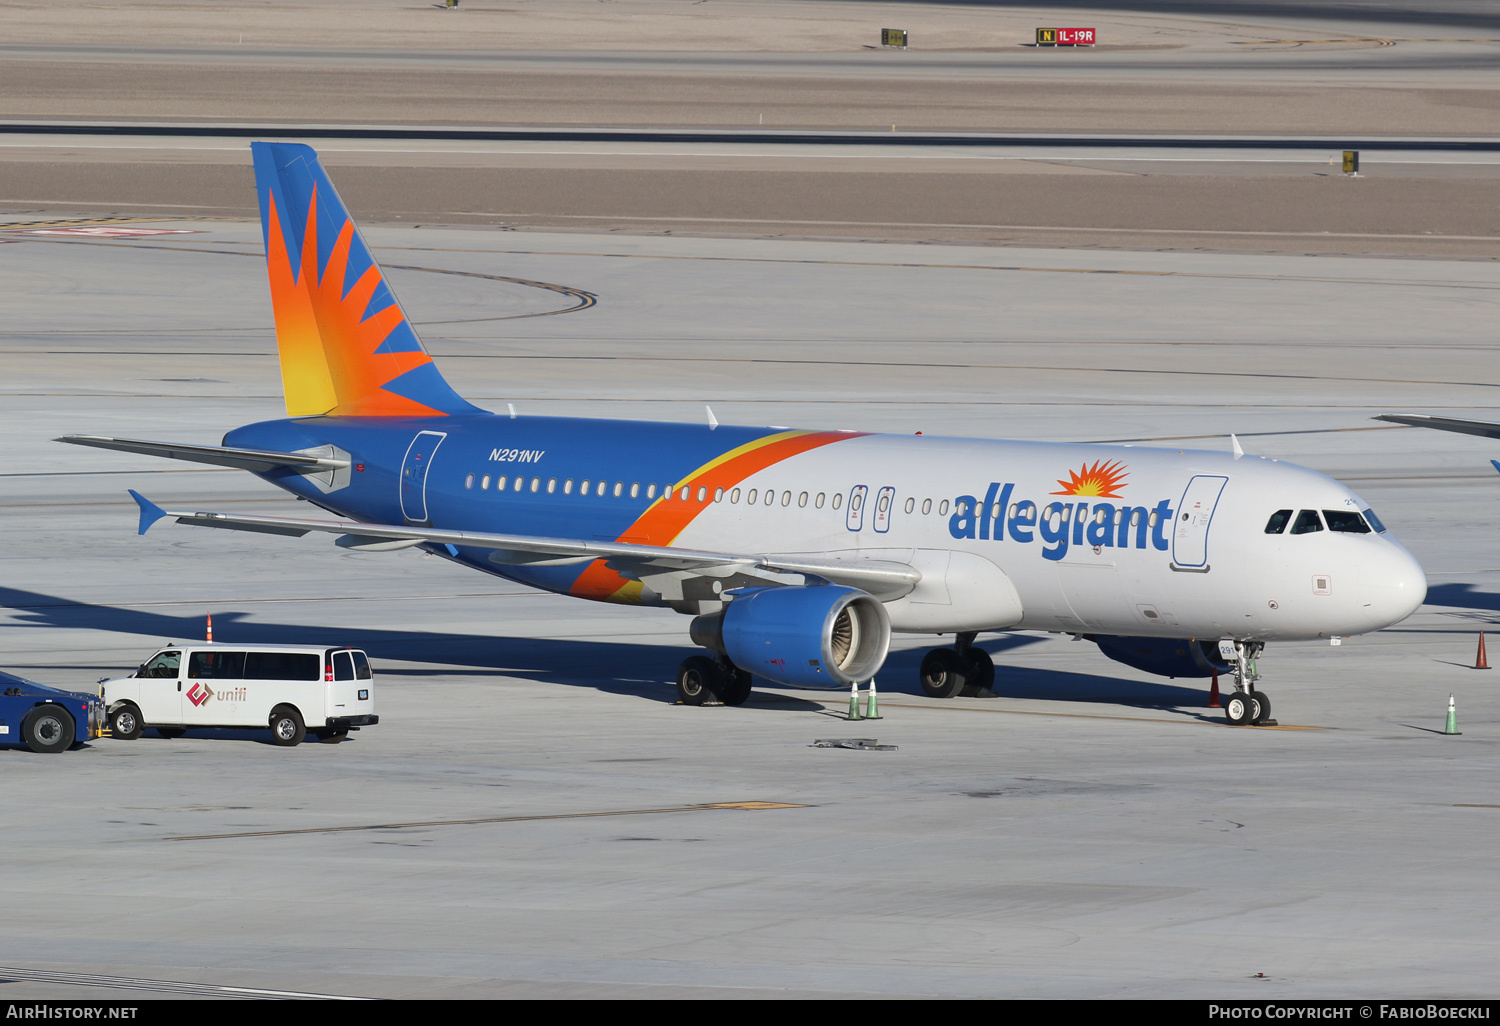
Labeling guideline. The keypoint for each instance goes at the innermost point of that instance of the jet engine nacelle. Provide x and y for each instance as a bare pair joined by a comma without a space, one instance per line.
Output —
818,635
1169,657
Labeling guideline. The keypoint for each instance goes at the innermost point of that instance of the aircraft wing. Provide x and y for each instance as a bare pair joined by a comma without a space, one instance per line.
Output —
1483,428
886,580
257,460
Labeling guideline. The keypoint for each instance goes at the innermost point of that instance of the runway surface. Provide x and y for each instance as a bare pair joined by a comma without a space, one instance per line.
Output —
534,817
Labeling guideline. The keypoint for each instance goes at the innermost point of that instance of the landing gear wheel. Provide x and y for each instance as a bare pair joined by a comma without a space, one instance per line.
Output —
1262,707
125,723
944,673
735,685
1240,708
698,681
980,672
47,729
287,728
171,733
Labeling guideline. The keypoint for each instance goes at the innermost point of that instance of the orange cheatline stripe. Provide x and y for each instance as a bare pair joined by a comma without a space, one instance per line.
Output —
665,519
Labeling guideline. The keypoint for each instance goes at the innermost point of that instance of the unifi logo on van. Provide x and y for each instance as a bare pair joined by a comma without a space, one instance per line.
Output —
199,693
1101,479
1103,525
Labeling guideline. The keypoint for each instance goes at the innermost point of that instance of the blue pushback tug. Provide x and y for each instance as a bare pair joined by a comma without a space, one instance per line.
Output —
44,719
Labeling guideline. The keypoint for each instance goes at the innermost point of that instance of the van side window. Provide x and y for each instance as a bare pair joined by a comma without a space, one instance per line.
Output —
283,666
1278,521
163,664
343,666
361,666
1307,522
216,665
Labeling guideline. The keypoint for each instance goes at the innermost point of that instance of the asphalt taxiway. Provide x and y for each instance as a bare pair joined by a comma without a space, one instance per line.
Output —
535,817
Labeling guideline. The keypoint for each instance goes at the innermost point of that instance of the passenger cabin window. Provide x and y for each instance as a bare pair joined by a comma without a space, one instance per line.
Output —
1277,523
1307,522
163,664
1345,521
215,665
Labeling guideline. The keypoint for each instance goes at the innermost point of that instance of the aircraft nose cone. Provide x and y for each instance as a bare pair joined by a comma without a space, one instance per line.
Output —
1394,585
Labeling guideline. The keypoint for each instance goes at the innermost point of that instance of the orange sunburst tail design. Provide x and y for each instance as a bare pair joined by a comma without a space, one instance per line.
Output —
346,346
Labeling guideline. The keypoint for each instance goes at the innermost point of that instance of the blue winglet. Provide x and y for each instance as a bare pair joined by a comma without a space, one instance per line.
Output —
1496,465
150,511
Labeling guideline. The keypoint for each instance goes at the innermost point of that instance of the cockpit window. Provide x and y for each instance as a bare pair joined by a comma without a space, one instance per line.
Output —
1278,521
1307,522
1345,521
1374,521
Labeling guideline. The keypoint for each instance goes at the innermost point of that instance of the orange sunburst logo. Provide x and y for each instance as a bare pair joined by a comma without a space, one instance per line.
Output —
1101,479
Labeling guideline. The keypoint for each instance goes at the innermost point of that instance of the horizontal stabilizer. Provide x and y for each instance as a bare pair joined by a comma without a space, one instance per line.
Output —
259,461
1482,428
150,511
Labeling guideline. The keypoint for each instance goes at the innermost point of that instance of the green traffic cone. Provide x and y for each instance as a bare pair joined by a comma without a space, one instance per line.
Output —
854,701
872,707
1452,727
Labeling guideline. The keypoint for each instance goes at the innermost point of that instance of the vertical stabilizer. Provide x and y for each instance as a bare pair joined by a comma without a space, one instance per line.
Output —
346,346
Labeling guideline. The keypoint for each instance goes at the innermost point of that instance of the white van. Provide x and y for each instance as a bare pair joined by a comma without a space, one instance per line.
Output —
292,689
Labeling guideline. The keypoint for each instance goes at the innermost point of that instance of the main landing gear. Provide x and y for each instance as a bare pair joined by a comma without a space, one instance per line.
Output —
1247,705
705,680
960,670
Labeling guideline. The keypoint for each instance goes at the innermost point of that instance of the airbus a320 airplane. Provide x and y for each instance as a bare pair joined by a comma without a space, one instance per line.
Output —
796,552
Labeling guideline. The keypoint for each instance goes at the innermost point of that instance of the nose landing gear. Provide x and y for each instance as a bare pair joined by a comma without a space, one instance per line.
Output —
1247,705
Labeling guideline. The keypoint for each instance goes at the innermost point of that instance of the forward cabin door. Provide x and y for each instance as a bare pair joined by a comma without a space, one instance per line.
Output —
1194,515
414,469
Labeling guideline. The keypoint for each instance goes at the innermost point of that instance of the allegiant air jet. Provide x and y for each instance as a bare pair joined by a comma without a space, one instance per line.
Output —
796,552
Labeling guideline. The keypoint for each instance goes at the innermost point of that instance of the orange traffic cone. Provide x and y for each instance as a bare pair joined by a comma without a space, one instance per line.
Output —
1213,693
1480,663
210,628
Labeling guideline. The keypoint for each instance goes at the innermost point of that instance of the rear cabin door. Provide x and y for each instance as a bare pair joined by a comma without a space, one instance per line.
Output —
1194,514
414,469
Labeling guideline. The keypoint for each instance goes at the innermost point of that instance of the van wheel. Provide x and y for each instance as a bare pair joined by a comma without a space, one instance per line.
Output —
287,728
125,723
47,729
